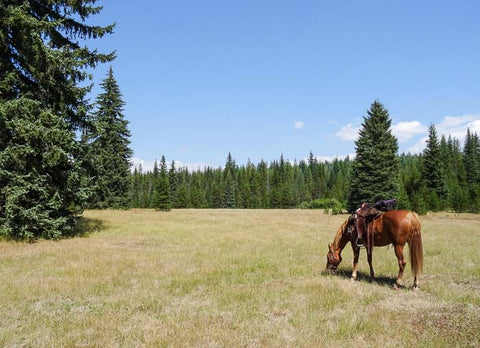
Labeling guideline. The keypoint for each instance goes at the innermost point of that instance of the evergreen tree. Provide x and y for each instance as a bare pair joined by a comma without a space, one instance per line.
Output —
197,191
456,177
135,182
42,58
229,193
403,202
432,171
172,180
263,185
154,201
182,197
40,186
472,168
230,190
163,188
230,166
42,104
471,158
375,168
252,177
109,151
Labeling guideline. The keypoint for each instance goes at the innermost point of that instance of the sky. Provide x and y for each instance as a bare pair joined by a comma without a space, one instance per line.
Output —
263,78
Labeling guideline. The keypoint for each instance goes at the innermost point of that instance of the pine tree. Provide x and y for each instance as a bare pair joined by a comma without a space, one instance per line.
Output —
172,180
229,200
456,177
471,158
40,186
375,168
135,182
42,103
109,151
155,195
182,196
472,168
197,191
263,185
432,171
403,201
163,188
42,58
230,189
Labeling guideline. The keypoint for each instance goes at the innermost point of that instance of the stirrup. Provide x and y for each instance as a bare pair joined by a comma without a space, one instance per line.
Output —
360,245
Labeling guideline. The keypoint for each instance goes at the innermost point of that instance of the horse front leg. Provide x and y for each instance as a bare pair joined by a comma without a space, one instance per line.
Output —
369,258
401,265
356,255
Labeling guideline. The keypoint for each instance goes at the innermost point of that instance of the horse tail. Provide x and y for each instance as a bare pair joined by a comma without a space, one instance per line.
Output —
415,245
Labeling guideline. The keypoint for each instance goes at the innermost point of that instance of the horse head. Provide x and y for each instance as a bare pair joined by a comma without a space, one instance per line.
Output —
333,260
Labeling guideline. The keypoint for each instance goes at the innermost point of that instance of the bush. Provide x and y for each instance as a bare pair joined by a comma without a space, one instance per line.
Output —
323,203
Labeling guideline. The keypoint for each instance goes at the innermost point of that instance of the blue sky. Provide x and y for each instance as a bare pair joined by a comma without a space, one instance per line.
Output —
263,78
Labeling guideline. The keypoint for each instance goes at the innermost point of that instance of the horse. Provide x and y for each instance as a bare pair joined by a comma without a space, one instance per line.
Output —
396,227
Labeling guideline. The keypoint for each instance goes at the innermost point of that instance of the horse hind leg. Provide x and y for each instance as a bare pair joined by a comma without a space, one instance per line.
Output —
415,284
401,265
369,254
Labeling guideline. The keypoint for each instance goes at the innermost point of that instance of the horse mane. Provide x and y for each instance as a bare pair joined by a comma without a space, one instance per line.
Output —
339,234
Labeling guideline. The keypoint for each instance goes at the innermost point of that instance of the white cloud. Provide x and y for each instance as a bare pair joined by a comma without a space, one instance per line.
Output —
407,130
402,130
418,147
147,166
332,158
457,126
299,124
193,167
348,132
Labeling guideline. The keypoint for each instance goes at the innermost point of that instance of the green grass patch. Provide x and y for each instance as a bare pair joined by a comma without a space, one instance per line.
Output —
235,278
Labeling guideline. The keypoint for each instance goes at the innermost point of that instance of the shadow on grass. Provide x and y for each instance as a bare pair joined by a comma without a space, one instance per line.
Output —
363,276
86,226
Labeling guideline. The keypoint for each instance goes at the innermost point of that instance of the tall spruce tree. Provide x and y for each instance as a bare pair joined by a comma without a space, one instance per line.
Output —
172,180
230,188
472,168
40,186
375,168
432,171
42,104
109,152
163,188
472,157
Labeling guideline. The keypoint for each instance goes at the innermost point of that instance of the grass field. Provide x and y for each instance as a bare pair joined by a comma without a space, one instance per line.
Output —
229,278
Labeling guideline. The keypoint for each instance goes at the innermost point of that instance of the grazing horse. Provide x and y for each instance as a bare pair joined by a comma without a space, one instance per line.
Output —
395,227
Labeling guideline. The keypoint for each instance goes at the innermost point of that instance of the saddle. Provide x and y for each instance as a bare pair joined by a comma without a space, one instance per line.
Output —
370,212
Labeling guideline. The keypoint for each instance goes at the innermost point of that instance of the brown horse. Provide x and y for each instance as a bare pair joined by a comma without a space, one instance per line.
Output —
395,227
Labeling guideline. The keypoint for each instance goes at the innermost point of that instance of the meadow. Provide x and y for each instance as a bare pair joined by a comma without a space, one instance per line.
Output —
230,278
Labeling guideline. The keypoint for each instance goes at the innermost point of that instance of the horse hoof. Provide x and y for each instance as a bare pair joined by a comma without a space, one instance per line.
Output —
416,288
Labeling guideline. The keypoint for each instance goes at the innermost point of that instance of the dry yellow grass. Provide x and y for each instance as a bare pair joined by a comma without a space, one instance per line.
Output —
234,278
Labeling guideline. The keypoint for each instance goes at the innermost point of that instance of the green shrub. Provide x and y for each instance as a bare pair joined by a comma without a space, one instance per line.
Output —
323,203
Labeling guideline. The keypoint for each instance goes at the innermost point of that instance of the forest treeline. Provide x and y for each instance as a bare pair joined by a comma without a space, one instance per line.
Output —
311,183
61,153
